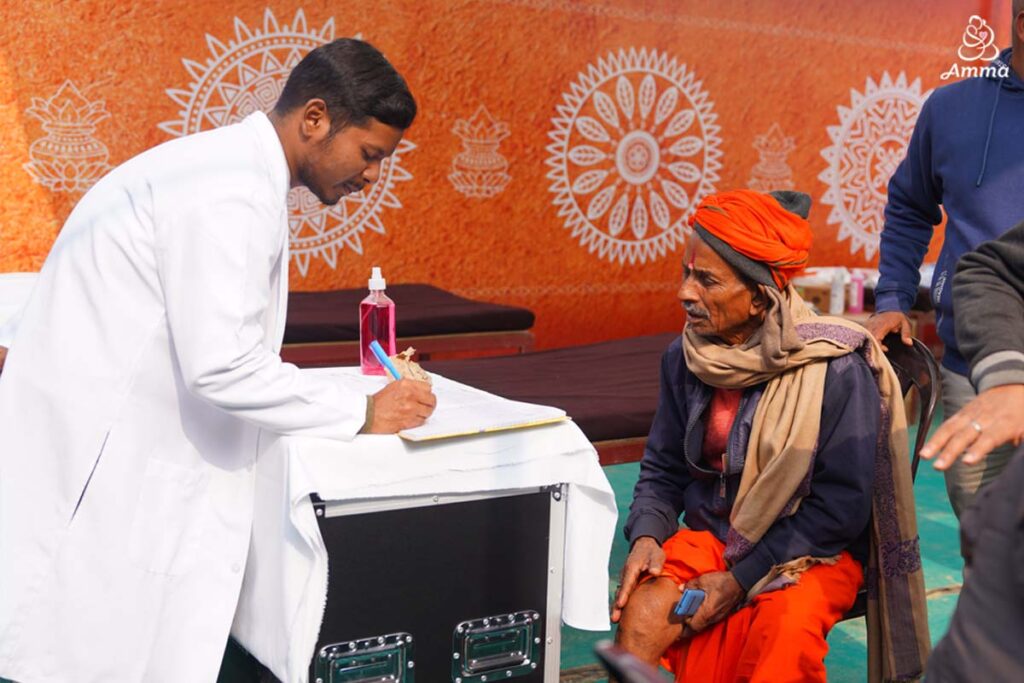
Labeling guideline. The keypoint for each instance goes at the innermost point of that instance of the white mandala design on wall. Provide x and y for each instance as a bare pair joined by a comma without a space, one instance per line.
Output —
635,148
867,146
247,75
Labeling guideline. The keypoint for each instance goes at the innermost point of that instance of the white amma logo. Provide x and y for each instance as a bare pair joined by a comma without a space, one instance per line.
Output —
978,44
978,41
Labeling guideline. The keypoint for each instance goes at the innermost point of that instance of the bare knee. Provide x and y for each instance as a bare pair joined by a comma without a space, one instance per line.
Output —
647,627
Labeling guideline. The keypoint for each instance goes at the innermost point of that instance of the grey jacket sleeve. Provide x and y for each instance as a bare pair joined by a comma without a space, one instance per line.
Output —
988,300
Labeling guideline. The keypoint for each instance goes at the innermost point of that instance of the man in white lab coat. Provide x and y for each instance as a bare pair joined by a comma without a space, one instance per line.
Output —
144,378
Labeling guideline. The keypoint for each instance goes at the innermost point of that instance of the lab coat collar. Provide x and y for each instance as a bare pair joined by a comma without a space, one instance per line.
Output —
270,146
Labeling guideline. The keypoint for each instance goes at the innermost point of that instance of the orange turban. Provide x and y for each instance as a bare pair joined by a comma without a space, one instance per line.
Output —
758,227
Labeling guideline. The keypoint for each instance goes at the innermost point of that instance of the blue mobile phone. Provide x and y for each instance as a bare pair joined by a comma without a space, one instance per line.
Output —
688,604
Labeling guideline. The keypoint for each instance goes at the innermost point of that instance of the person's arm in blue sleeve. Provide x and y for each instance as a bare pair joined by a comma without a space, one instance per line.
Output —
658,496
837,509
911,214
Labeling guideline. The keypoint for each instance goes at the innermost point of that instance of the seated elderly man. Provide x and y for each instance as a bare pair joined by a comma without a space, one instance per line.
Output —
781,438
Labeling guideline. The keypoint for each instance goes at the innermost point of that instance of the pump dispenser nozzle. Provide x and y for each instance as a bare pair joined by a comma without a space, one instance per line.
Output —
377,281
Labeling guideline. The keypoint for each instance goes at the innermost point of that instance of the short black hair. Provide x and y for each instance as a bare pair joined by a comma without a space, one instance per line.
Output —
356,82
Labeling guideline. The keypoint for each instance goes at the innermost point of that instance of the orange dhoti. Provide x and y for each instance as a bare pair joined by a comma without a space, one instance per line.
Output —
777,638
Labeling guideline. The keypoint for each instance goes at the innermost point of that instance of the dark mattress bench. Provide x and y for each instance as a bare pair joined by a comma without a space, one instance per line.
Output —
322,328
610,389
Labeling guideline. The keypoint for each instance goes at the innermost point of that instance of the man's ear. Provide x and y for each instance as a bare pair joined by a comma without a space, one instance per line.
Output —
758,300
316,124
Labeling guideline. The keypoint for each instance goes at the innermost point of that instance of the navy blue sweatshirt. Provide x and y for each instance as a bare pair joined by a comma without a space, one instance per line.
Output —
674,478
967,155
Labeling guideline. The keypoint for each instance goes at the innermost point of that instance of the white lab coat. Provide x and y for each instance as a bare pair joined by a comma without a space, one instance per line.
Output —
139,381
15,289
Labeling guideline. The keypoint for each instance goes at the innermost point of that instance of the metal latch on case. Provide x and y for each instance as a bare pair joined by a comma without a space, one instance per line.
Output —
495,648
381,659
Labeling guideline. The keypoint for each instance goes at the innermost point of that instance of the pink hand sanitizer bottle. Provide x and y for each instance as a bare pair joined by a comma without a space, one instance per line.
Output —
376,322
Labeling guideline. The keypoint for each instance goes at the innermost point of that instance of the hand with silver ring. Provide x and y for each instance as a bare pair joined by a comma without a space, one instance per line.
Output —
963,436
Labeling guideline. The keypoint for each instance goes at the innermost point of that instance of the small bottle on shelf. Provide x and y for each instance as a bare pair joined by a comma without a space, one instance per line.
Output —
837,295
856,302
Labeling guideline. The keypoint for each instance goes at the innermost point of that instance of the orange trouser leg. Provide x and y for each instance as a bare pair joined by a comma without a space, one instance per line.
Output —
688,554
778,638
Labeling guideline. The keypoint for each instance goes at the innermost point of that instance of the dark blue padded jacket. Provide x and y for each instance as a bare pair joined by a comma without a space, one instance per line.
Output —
674,479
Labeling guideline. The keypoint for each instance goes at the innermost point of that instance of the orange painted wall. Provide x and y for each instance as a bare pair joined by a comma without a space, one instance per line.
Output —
538,67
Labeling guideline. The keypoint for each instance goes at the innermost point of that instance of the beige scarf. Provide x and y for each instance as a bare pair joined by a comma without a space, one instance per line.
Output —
790,352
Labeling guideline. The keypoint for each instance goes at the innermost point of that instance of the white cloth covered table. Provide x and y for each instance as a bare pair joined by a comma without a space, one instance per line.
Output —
285,588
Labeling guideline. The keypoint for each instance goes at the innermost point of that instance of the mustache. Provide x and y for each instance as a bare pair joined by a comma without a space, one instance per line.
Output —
694,312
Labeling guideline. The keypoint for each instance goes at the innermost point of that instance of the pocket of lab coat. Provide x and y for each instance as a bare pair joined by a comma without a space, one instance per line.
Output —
169,519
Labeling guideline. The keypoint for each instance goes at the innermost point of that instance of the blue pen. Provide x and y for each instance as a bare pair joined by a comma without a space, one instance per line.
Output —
378,351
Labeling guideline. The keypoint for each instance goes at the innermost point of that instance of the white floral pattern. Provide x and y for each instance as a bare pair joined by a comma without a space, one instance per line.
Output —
868,144
247,75
635,147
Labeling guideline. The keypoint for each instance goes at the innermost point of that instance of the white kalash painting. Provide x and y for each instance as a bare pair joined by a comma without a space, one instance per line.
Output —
68,157
479,170
771,172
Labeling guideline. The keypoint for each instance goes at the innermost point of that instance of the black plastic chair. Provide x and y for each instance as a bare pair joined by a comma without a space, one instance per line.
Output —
916,368
624,667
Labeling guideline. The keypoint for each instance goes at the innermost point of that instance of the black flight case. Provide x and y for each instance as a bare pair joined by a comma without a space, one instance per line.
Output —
462,588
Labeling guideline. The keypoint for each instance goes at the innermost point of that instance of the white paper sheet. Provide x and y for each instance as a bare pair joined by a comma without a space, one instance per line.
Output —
461,410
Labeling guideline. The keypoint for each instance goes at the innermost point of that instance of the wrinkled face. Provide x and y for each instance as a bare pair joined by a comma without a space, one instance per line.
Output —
717,301
348,161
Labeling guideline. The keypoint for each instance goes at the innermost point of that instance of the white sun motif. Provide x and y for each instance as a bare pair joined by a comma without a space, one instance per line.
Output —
635,148
247,75
868,144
